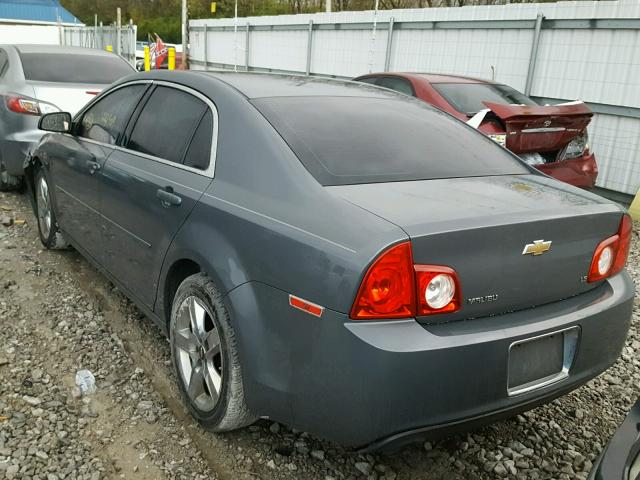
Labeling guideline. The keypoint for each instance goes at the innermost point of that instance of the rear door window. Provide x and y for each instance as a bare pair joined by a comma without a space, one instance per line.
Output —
369,80
349,140
4,62
105,120
199,152
167,124
398,84
74,68
468,97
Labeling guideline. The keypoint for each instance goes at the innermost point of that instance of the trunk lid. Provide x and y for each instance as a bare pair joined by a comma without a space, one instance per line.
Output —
480,227
533,128
68,97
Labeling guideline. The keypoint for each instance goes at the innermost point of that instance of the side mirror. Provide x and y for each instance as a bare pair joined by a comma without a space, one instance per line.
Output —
59,122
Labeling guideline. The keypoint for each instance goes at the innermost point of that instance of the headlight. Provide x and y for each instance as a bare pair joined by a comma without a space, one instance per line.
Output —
576,147
499,138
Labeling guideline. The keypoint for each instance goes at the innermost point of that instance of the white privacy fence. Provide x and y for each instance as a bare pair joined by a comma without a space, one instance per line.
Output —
555,52
42,34
121,39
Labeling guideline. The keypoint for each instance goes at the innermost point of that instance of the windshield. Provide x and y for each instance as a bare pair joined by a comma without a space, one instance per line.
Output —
73,68
468,97
349,140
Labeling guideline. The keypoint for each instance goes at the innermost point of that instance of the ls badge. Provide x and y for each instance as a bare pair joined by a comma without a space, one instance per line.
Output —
538,247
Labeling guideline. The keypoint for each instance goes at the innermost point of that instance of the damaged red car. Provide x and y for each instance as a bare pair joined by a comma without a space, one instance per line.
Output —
552,138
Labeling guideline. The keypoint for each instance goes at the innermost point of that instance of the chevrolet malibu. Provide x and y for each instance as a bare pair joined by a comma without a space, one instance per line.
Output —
335,256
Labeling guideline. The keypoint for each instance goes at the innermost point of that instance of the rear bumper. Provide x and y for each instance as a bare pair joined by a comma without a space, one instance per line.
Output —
579,172
16,147
376,384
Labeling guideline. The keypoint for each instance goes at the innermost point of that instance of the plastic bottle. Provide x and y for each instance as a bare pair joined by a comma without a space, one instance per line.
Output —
86,382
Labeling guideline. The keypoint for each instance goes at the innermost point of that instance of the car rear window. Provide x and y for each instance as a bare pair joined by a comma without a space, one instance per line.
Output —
468,97
73,68
167,124
350,140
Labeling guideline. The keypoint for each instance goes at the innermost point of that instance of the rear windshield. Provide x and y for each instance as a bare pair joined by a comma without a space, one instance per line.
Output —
73,68
468,97
349,140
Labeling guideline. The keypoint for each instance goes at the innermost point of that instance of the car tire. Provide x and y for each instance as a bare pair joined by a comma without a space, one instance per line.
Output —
48,229
9,182
205,356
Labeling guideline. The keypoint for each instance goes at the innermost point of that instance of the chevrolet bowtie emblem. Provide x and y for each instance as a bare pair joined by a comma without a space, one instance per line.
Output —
538,247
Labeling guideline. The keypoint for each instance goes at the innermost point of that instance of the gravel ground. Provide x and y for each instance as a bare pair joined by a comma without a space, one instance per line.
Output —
58,315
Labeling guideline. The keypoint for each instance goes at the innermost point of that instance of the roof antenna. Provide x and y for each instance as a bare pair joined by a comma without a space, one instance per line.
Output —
493,73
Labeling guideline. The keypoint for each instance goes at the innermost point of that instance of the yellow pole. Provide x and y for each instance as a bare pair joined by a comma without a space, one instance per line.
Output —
172,58
634,209
109,48
147,59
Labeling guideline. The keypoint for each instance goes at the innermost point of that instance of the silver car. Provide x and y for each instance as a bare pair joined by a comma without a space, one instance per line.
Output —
38,79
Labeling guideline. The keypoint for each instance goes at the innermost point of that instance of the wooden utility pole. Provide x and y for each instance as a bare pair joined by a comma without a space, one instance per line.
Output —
185,38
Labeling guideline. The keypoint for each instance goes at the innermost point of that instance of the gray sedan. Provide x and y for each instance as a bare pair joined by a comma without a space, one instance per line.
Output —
38,79
337,257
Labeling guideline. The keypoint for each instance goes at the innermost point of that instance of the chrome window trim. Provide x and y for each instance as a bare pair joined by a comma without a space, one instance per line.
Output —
209,172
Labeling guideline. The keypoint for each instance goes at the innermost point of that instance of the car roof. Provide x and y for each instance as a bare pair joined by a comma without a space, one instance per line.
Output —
260,85
59,49
433,77
254,85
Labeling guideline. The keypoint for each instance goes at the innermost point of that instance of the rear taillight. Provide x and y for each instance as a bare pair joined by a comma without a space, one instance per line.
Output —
29,106
438,289
394,287
611,254
388,289
576,147
23,105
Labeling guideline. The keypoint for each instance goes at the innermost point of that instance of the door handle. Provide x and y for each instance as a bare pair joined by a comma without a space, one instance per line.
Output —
93,167
168,198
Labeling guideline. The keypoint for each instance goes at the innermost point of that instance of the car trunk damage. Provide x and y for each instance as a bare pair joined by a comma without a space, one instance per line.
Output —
540,129
493,231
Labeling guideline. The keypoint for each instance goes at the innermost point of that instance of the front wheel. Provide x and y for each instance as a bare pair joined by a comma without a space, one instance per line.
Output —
50,234
205,356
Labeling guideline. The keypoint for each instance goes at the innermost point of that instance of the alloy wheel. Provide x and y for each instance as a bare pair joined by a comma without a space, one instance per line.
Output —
198,353
43,202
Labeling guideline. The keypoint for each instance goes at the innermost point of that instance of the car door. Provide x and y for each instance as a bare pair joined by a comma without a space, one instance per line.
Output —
76,163
153,182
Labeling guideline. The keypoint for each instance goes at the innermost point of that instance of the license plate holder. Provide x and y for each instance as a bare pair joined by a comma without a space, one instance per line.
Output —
540,361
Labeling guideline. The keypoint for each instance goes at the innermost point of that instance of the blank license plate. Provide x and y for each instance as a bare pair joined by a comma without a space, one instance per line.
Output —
533,360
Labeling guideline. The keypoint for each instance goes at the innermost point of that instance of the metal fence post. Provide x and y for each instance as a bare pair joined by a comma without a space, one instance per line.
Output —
309,40
534,54
119,31
206,42
387,56
246,48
